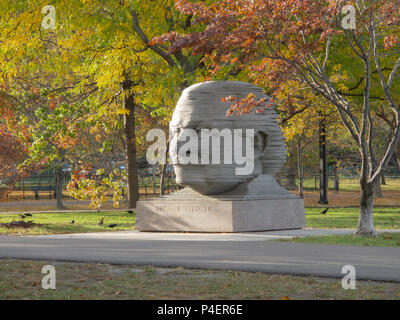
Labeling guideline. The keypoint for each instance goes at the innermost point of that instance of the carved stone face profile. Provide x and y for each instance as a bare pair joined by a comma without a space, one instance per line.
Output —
201,107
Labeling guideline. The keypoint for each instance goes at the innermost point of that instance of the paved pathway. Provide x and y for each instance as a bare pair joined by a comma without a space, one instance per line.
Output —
246,252
184,236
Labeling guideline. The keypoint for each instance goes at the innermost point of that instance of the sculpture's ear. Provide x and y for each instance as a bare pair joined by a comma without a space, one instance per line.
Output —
260,142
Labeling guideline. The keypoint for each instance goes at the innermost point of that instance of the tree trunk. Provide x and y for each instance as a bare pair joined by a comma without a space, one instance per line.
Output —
129,128
378,186
164,171
323,166
365,222
278,177
383,179
336,175
378,191
291,176
397,156
59,188
398,160
300,169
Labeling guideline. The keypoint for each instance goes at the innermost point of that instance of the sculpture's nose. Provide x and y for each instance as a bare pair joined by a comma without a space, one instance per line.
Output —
185,146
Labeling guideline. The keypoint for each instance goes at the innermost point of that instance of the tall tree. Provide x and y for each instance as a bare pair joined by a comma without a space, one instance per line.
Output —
310,42
12,148
99,50
12,153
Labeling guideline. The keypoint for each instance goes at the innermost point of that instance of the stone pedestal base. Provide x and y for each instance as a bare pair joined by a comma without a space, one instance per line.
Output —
215,215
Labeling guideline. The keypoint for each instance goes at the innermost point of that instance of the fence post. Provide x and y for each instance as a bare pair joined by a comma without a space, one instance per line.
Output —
336,175
154,181
315,182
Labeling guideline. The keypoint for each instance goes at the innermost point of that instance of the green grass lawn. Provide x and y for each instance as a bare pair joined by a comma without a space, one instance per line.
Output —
52,223
383,240
22,280
384,218
349,184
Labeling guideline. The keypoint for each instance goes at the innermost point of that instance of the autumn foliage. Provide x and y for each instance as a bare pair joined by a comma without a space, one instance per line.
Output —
12,153
272,40
302,51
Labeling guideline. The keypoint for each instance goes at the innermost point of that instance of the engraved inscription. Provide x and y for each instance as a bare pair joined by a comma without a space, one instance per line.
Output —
183,208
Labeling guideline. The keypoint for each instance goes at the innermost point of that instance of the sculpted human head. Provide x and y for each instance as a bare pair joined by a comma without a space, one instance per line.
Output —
246,146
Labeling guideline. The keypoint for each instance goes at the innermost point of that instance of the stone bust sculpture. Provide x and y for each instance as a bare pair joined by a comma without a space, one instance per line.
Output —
201,107
227,165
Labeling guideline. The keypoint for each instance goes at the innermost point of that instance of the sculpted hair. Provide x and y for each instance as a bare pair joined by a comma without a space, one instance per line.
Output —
203,102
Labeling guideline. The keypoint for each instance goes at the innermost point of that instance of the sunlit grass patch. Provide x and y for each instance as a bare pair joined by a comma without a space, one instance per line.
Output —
53,223
384,218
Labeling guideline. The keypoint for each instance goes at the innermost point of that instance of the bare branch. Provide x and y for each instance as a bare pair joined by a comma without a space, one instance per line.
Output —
393,73
157,49
328,45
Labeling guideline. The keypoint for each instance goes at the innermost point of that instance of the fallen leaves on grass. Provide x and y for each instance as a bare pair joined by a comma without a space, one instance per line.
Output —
19,224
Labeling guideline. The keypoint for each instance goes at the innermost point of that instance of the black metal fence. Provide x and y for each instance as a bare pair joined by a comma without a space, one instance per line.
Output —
150,185
37,186
42,186
341,180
